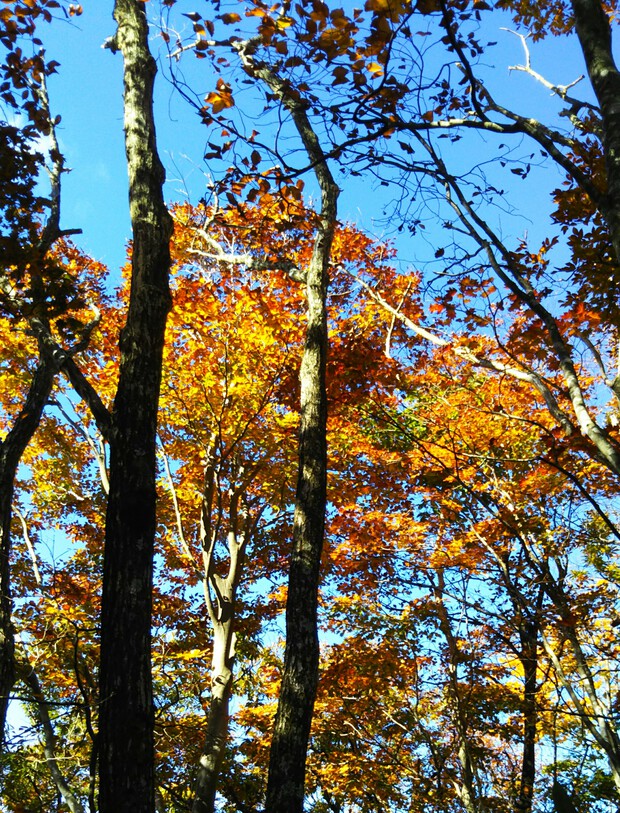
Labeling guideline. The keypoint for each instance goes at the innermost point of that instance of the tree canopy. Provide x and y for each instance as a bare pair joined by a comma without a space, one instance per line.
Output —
300,512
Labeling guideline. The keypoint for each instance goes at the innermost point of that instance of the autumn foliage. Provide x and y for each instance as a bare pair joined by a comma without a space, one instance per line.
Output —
469,602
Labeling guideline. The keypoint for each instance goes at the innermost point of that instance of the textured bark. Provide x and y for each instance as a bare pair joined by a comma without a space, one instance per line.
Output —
594,34
527,615
287,760
11,450
215,743
529,634
126,772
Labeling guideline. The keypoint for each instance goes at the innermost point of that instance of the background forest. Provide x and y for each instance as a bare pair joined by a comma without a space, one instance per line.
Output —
294,516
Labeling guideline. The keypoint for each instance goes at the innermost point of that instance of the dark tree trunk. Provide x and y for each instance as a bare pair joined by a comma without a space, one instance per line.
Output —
528,615
11,451
7,638
51,359
287,761
594,34
285,790
126,770
529,659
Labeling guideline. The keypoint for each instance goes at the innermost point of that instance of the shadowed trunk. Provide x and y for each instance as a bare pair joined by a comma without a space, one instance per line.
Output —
528,634
287,762
11,451
126,770
289,747
285,790
594,32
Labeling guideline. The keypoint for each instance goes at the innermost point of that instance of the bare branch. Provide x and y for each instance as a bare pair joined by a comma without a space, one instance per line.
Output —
528,376
177,510
41,711
29,546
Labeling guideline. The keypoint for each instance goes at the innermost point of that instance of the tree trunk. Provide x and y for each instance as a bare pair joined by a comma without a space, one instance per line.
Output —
594,34
7,638
287,764
528,615
215,743
285,788
528,633
289,747
51,359
221,599
11,450
126,770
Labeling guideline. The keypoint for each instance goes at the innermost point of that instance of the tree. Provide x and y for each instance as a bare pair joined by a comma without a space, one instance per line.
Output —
470,519
450,110
241,419
126,724
126,714
227,431
35,288
250,383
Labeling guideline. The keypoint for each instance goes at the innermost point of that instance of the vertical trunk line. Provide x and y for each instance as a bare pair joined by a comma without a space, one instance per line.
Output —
285,789
11,451
126,762
594,32
289,747
222,612
529,659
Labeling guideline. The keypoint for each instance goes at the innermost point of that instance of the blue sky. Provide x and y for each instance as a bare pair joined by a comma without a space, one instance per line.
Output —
87,93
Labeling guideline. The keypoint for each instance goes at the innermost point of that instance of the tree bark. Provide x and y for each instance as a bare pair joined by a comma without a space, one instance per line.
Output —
209,766
126,769
11,451
528,614
287,760
529,634
594,34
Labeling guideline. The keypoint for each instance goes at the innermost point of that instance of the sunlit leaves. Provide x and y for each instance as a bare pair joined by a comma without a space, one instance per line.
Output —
221,98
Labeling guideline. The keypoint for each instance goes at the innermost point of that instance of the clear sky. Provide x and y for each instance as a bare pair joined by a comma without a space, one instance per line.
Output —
87,93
